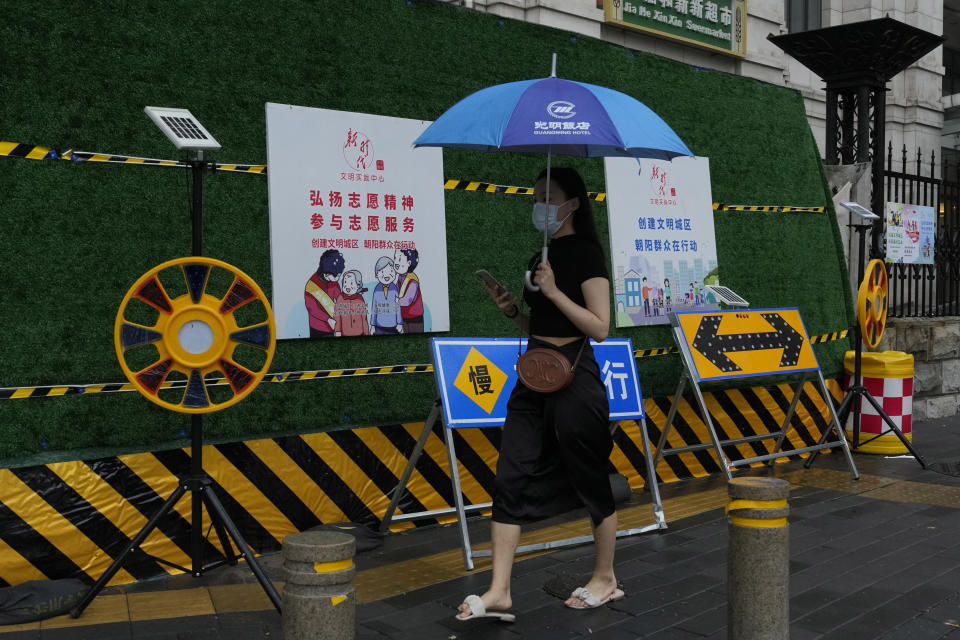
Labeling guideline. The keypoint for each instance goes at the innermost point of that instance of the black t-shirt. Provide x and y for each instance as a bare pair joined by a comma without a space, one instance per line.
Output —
574,260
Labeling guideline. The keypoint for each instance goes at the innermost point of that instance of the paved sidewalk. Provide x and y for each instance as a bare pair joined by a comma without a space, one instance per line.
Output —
873,558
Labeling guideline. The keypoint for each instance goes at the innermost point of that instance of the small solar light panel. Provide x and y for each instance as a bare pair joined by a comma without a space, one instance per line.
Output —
726,296
859,210
182,128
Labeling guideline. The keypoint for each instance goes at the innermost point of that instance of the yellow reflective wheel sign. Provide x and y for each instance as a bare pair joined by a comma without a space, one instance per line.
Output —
872,303
732,344
194,319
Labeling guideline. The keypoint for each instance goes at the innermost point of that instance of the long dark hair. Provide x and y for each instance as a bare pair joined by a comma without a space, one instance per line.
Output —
572,184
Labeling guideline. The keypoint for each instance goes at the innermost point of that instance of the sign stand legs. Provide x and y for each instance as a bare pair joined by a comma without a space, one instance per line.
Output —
200,485
717,443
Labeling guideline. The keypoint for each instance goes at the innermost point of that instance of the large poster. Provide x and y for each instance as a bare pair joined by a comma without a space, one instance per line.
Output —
357,233
662,246
910,233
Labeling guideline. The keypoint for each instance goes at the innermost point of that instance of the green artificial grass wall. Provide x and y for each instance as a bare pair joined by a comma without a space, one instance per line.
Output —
77,235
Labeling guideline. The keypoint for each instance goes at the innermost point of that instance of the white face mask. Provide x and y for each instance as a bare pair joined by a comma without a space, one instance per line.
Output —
545,217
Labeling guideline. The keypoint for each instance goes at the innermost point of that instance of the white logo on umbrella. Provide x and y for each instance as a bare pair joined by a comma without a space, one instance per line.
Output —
561,109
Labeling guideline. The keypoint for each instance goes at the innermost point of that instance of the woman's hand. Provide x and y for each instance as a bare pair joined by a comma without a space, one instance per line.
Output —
543,278
503,298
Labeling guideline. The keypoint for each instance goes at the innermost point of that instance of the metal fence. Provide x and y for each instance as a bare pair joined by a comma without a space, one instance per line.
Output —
927,290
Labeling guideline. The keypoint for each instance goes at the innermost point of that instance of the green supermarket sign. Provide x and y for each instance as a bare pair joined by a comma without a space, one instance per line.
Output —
718,25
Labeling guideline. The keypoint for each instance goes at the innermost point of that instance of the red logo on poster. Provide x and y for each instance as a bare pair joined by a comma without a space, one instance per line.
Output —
358,151
658,182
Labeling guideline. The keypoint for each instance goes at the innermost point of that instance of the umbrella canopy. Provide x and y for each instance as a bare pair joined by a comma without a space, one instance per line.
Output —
556,115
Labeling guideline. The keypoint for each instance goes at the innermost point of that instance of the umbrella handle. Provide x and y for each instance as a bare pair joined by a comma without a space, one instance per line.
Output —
528,281
528,276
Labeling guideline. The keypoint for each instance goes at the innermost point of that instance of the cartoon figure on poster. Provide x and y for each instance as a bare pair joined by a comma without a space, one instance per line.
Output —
409,297
350,308
910,233
321,292
385,317
356,216
662,242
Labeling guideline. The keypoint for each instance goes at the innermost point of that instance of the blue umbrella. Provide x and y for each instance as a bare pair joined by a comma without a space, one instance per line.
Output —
554,115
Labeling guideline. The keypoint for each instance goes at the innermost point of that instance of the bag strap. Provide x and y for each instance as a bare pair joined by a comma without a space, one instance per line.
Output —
579,353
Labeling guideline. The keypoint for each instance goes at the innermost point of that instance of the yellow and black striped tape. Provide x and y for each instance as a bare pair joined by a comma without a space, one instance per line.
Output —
740,207
487,187
830,337
28,151
71,519
55,391
17,150
86,156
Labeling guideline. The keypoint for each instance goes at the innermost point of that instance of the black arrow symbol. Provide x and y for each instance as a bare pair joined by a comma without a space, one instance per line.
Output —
714,346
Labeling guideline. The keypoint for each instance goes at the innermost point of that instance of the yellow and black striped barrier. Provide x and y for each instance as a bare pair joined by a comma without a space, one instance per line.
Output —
71,518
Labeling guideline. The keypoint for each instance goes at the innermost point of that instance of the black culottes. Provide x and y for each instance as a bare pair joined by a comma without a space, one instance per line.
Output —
555,450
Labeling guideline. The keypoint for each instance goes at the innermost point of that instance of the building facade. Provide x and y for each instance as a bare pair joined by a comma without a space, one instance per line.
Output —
921,101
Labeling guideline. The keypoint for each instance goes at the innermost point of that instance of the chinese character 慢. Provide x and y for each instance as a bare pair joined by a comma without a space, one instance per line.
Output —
481,380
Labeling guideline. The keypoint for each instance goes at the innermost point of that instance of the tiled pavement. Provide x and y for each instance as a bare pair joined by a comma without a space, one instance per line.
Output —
873,558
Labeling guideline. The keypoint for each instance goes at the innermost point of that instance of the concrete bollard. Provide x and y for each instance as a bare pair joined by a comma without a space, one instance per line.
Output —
319,602
758,560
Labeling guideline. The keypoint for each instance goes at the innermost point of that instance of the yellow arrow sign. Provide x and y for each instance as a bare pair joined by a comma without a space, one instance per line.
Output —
727,344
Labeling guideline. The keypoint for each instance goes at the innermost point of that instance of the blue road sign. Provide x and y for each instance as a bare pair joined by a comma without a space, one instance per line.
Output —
476,375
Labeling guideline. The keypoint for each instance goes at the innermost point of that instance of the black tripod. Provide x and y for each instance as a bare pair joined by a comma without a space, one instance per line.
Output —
852,401
197,481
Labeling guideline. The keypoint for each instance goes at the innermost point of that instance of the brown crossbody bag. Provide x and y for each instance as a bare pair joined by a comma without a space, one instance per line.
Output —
546,370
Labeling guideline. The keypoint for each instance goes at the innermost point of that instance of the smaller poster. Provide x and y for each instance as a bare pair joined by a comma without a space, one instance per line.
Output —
662,245
910,233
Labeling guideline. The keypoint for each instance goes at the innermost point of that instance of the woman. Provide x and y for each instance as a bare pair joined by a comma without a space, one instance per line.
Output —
555,447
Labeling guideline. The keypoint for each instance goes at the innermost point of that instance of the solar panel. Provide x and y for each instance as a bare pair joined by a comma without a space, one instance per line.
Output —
726,296
859,210
182,128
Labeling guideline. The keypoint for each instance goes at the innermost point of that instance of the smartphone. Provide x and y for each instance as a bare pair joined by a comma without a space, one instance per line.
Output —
484,276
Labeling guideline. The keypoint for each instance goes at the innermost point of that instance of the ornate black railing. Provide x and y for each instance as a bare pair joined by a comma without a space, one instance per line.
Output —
927,290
